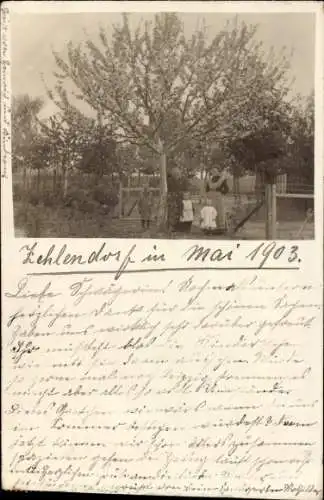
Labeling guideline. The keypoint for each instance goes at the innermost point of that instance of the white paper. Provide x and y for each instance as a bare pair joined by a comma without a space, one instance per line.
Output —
131,366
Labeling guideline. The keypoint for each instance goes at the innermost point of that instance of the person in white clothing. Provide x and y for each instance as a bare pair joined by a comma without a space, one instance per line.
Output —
208,216
187,214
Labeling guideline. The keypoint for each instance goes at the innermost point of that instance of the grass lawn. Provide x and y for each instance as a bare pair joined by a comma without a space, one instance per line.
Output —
65,222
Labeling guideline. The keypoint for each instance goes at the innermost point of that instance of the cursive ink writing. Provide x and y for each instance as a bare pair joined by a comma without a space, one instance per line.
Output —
199,384
5,94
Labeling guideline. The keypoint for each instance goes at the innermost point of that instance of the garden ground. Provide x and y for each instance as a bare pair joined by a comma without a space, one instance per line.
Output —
65,222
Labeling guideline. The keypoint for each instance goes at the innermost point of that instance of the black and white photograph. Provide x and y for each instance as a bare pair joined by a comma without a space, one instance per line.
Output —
162,248
163,125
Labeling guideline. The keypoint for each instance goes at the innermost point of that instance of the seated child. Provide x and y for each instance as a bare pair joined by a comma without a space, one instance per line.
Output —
187,214
208,217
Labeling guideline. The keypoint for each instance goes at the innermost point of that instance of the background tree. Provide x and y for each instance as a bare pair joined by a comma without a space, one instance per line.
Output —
301,150
39,158
285,144
24,121
64,143
24,133
98,153
160,90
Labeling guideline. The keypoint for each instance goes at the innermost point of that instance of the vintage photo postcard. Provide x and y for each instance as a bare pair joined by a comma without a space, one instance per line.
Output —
162,248
178,125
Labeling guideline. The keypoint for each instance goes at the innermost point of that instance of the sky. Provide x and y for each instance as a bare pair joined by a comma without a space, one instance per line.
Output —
33,36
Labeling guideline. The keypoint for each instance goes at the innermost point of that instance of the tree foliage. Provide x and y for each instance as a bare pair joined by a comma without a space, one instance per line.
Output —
302,147
63,141
155,93
26,145
284,145
154,86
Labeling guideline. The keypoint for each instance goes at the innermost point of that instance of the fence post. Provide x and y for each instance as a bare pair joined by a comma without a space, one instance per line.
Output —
273,234
25,187
267,211
270,207
163,215
25,194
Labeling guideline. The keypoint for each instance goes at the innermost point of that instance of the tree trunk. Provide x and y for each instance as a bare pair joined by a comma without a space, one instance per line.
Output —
163,212
25,193
54,179
25,187
236,185
127,197
121,201
38,181
65,181
259,185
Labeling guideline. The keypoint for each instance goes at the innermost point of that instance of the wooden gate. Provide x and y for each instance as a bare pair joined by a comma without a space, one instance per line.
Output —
128,201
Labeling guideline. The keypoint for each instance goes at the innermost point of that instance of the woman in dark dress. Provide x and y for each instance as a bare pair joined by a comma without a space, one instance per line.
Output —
177,185
217,188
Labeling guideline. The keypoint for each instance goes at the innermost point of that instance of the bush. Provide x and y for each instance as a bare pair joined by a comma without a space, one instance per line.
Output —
85,196
154,182
99,195
88,206
112,199
52,198
76,197
34,198
106,196
18,192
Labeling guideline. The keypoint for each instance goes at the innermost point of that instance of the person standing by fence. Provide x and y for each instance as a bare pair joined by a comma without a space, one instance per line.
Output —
217,188
145,206
187,214
177,185
208,216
